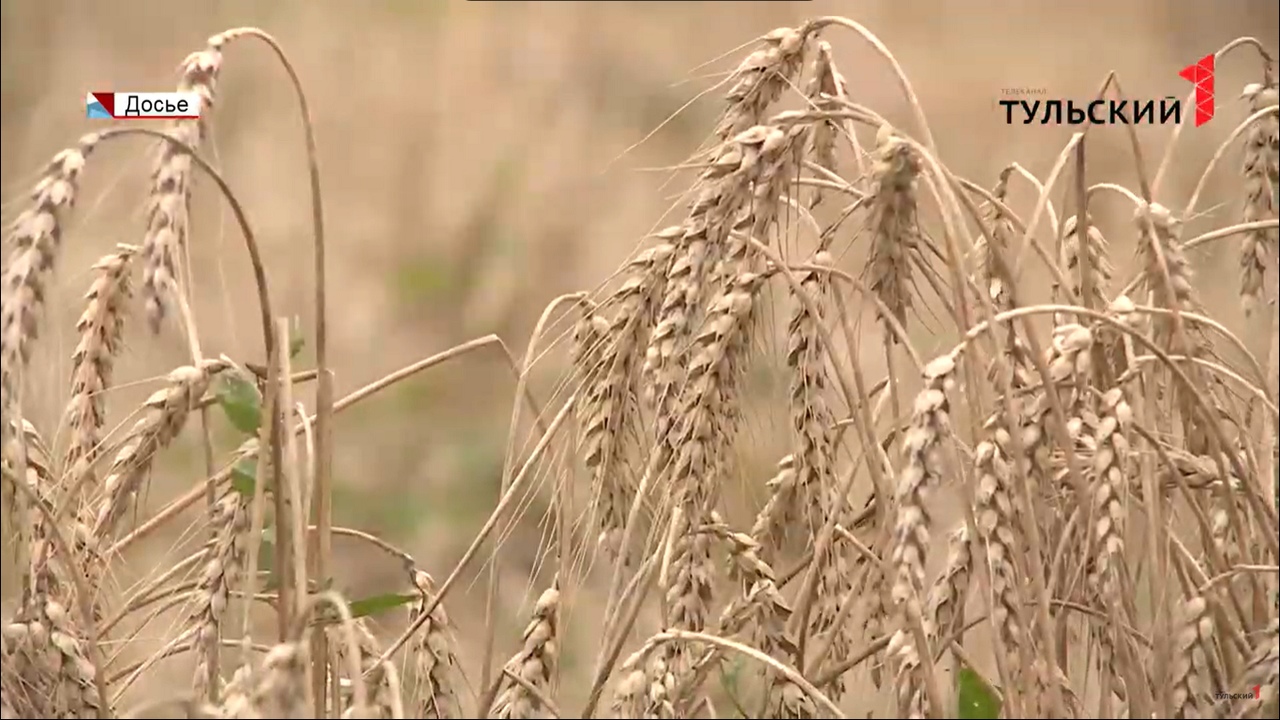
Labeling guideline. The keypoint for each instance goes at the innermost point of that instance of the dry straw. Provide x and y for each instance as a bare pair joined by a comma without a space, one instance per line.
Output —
1103,456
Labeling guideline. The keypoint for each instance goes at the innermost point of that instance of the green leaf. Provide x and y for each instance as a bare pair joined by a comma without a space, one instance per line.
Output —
380,603
240,402
244,476
977,701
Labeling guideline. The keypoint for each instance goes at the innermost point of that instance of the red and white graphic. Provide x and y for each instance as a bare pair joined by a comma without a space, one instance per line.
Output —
1200,74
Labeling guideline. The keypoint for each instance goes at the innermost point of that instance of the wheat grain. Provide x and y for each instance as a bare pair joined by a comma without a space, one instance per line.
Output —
908,689
776,515
772,156
761,608
49,656
1263,673
699,444
816,495
827,87
661,398
1158,225
645,687
236,700
724,191
929,425
986,271
1111,455
77,694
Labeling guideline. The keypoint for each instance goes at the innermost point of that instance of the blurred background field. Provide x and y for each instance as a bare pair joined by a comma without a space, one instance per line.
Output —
474,168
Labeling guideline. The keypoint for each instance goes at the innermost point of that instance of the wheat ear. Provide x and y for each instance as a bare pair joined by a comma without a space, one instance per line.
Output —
1094,249
894,224
534,665
763,611
1194,642
930,424
610,411
434,657
381,678
222,571
101,327
36,237
1261,172
167,206
164,414
280,688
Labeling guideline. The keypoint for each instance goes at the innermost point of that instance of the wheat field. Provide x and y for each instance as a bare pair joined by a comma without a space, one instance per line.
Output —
886,415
